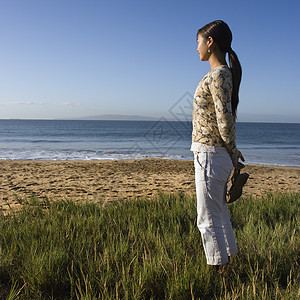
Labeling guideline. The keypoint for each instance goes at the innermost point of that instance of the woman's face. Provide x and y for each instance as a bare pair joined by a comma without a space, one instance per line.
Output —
202,48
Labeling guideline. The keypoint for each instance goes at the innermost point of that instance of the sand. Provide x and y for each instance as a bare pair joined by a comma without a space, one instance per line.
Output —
120,179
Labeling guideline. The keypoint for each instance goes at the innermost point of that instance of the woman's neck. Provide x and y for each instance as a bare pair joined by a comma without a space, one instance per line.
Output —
216,60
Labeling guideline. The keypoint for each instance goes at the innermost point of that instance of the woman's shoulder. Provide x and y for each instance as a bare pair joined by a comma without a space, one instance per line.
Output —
221,72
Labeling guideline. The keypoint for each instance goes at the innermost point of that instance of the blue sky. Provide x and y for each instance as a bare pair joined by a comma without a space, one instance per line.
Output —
70,58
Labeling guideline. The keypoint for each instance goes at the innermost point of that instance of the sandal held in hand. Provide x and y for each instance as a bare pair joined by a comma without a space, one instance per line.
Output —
238,181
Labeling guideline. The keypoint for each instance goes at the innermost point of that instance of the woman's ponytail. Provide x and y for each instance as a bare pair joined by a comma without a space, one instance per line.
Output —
236,71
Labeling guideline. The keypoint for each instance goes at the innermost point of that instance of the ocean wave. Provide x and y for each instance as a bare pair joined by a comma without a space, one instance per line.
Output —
273,147
84,155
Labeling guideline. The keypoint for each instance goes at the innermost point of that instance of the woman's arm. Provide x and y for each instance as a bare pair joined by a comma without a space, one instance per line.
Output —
221,90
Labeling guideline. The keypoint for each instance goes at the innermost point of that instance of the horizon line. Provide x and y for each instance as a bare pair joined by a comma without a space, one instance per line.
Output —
131,120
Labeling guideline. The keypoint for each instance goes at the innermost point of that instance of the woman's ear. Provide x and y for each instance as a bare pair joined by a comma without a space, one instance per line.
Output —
210,41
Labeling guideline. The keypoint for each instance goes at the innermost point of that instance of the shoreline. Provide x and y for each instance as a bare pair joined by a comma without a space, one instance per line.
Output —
107,180
132,159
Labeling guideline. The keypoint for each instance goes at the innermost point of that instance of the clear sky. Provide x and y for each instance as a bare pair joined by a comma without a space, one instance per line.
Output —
71,58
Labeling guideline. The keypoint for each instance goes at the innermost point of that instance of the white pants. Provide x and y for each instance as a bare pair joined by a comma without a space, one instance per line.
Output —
212,170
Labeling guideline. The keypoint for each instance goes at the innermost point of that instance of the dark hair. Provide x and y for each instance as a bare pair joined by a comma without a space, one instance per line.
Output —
221,34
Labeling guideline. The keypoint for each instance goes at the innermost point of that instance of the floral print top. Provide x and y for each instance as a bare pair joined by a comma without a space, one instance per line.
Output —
213,123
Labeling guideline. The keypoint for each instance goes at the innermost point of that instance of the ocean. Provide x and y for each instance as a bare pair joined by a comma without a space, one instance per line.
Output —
260,143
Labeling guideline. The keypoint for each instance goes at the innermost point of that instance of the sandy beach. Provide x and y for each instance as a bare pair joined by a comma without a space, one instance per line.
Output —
120,179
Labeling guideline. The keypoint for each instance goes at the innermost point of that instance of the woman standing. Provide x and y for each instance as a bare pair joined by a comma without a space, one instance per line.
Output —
213,140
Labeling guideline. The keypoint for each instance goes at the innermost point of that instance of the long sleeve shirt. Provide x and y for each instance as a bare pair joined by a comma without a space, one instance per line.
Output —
213,122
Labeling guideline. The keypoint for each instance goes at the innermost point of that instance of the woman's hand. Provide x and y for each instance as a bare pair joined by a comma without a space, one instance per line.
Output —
238,165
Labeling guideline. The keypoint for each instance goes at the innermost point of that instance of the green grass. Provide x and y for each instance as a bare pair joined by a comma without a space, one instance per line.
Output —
146,249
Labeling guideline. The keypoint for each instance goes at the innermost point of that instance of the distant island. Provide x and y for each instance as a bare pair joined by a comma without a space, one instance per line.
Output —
118,118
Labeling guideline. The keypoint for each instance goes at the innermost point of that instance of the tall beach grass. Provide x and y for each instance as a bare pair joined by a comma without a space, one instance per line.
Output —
147,249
